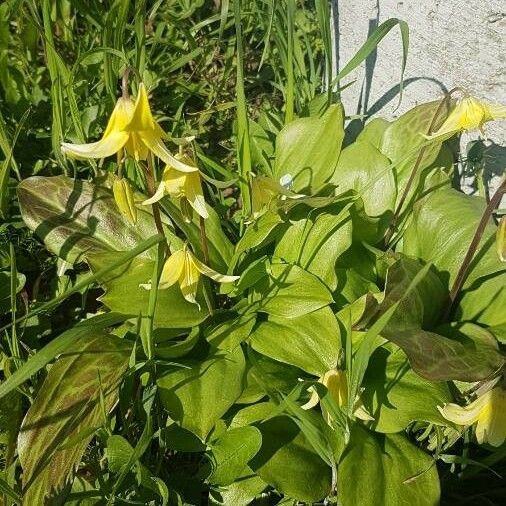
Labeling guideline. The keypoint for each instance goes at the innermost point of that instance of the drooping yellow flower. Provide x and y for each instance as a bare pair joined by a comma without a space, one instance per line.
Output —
500,239
488,412
185,268
131,126
124,198
182,185
470,114
337,384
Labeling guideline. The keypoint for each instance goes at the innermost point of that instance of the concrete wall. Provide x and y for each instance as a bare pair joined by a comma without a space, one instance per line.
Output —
452,43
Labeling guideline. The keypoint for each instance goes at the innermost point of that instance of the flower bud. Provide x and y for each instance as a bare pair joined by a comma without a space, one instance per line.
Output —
500,239
124,198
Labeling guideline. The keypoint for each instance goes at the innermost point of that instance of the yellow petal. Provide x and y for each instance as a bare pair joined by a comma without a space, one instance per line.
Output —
136,148
174,181
160,192
194,194
103,148
313,400
120,116
337,384
124,198
172,269
491,426
210,273
464,415
142,118
495,111
154,143
189,279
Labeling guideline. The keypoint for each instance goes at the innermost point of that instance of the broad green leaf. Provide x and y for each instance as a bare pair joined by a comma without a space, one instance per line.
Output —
386,469
404,135
262,147
287,462
441,231
124,294
231,453
289,291
231,333
75,218
57,346
240,493
394,395
68,404
259,233
267,377
311,342
308,149
198,396
315,242
373,132
431,355
363,168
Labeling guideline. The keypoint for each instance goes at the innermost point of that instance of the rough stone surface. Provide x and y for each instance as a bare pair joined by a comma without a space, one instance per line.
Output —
452,43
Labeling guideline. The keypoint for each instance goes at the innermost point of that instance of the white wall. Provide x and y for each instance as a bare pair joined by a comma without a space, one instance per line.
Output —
452,43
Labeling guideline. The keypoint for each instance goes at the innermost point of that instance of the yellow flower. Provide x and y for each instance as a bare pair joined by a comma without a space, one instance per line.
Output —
500,239
178,184
124,198
469,114
131,126
488,412
337,384
184,268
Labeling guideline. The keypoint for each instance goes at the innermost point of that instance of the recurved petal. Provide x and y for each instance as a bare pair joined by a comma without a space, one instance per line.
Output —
491,426
103,148
189,280
194,194
211,273
464,415
160,192
313,400
172,269
157,147
120,116
495,111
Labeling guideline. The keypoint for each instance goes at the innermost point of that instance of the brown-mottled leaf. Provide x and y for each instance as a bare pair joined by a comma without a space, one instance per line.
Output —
74,217
59,425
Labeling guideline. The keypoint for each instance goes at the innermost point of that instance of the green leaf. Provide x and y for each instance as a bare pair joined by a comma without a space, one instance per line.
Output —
404,135
56,346
361,164
198,396
124,294
311,342
315,242
5,289
232,452
289,291
76,218
308,149
240,493
67,404
287,462
441,231
394,395
386,469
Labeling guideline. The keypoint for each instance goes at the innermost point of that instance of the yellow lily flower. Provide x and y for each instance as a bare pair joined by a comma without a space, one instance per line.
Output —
469,114
337,384
181,185
488,412
185,268
131,126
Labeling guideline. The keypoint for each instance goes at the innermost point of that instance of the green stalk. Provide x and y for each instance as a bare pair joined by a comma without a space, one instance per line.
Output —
243,141
290,84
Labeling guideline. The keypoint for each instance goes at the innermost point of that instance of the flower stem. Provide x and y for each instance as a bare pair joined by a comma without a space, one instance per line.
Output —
393,224
150,180
205,251
124,84
466,263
